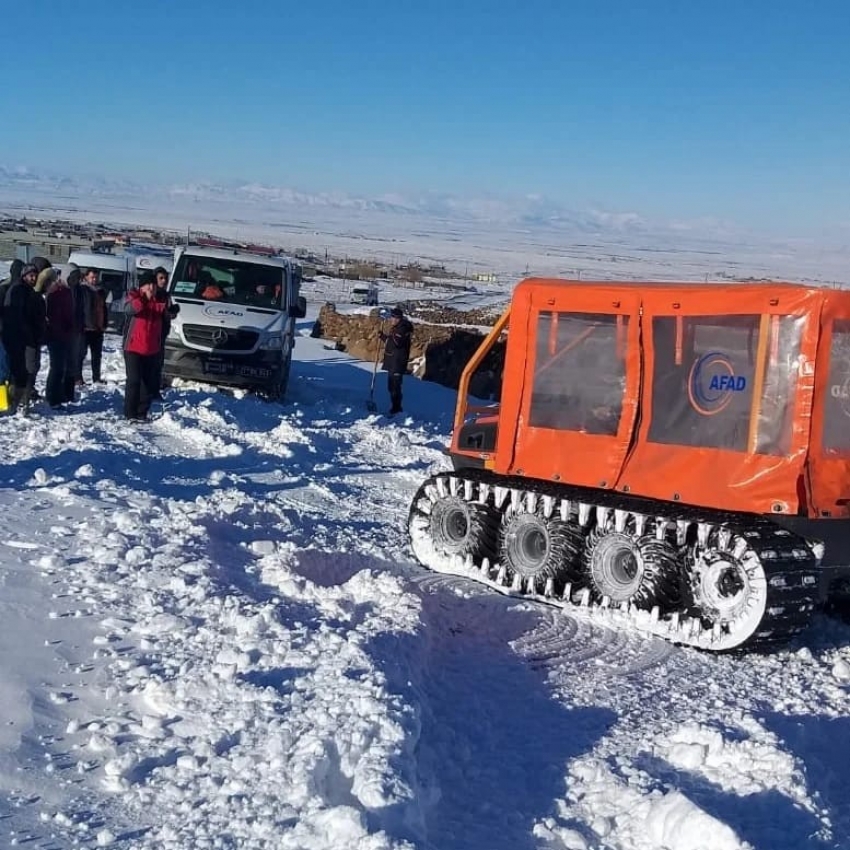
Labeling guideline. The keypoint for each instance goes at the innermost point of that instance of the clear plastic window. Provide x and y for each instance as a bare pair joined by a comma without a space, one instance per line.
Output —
702,384
836,426
779,391
706,378
579,372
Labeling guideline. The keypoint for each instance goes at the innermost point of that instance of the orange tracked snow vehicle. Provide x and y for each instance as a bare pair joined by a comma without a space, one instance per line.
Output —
679,452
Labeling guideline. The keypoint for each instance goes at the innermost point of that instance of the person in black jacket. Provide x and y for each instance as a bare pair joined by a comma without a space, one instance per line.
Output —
161,276
23,333
396,355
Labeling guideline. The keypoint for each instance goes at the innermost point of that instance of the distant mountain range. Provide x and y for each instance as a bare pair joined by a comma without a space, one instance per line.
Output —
533,211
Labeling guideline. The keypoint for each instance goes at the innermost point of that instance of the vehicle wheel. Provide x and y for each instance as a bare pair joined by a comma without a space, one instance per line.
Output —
462,528
729,586
643,570
533,546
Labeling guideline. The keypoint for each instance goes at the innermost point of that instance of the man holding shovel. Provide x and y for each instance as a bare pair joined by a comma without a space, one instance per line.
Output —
396,355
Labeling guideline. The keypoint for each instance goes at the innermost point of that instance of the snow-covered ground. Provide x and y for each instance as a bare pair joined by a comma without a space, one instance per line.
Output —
213,635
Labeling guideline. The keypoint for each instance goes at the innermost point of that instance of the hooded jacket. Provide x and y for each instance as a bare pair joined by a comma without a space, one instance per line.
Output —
60,313
397,349
75,285
143,331
14,274
23,316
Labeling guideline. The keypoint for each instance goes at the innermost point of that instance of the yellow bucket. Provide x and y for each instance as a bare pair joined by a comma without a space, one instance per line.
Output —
4,397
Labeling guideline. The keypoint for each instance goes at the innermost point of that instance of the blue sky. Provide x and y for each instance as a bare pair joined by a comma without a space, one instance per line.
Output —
675,110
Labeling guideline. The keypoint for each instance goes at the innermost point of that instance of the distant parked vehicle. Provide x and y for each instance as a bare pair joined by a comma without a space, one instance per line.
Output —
364,293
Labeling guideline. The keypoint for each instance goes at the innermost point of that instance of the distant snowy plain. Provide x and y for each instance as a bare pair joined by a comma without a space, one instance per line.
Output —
213,635
505,237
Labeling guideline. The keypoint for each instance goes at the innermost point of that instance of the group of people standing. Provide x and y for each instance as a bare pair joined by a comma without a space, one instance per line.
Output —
39,306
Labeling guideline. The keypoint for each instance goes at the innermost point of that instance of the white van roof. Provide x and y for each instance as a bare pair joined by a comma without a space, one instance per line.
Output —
233,254
145,262
106,262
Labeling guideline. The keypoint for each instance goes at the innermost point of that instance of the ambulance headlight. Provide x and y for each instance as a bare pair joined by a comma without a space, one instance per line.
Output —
272,342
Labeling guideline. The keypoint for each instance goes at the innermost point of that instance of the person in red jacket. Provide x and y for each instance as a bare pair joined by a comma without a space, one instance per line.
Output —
142,341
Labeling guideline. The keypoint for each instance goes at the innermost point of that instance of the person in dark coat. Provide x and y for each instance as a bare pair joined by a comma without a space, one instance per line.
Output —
161,276
396,355
74,372
59,332
14,274
23,334
142,341
93,309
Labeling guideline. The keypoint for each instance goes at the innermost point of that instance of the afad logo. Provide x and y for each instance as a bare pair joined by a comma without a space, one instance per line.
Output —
712,382
216,312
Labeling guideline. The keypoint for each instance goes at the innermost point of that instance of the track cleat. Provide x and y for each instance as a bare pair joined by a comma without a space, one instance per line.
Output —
704,530
602,515
548,506
530,502
499,496
660,528
501,576
567,594
516,496
682,526
620,519
442,488
485,567
584,513
654,614
565,510
640,524
454,486
549,589
467,490
585,598
516,584
530,586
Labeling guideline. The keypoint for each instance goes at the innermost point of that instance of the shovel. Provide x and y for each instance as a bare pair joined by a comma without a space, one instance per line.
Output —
371,406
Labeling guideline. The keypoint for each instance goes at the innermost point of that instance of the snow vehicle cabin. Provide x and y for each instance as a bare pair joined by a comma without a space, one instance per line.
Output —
679,452
236,324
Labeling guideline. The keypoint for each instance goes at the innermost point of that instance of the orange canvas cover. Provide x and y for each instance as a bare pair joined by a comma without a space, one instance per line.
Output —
727,396
732,396
829,459
559,419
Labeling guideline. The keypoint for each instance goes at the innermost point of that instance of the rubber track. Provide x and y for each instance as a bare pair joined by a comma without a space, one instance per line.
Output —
790,567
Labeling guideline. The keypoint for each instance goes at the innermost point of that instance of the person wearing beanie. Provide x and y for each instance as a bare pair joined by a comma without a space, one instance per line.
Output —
142,341
396,355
